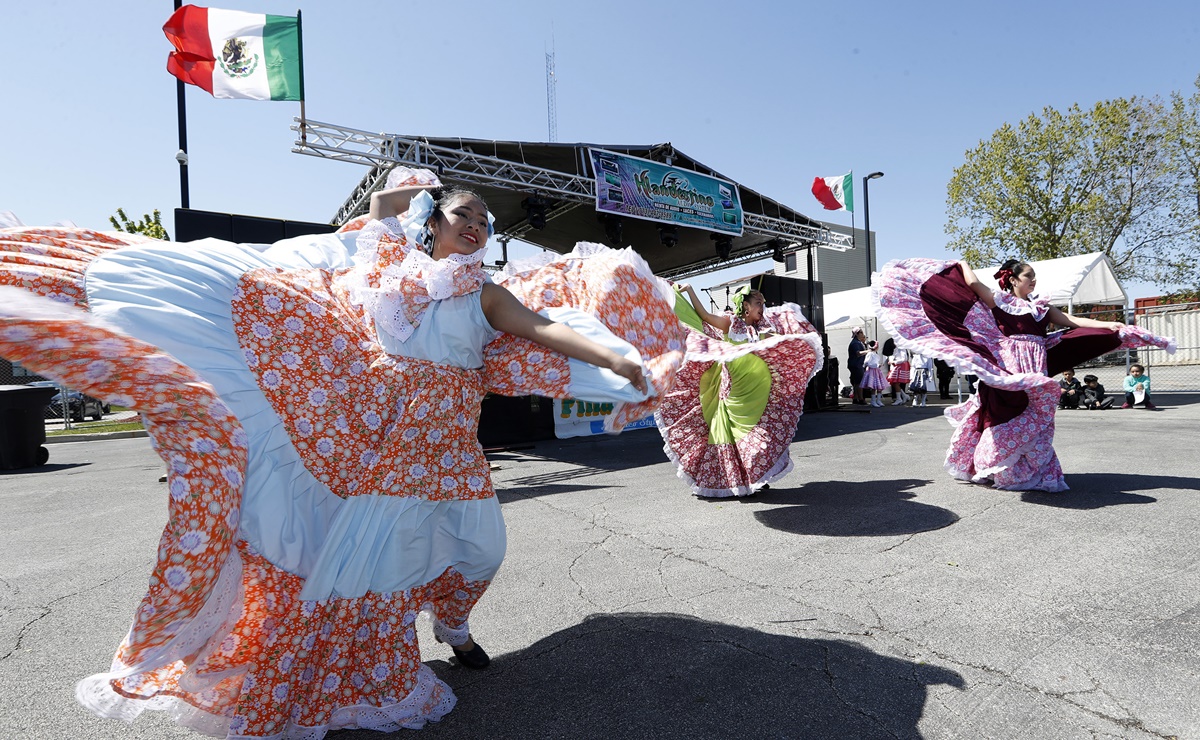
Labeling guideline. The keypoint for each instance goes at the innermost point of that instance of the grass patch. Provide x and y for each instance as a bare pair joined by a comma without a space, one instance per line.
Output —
96,427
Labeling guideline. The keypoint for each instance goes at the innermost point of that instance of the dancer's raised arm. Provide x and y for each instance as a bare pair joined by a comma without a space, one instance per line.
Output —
719,321
974,283
505,313
393,202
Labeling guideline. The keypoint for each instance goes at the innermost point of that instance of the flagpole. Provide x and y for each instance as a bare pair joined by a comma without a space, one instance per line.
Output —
300,48
182,156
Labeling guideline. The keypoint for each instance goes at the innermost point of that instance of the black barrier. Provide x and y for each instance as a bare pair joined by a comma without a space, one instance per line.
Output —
191,224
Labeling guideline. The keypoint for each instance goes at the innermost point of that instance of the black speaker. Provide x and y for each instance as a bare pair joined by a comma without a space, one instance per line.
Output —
807,294
191,224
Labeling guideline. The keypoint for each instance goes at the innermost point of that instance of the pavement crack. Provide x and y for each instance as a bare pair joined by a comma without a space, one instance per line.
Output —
48,609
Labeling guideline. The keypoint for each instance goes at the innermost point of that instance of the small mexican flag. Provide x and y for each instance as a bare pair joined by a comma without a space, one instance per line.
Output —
835,193
233,54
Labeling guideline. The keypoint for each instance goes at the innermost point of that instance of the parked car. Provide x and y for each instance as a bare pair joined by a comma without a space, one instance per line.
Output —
79,405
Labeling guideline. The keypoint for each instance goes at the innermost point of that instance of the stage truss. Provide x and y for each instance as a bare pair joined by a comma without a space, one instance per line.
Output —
381,152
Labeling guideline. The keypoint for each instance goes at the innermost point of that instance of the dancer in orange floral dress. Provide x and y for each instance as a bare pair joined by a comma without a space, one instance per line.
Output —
316,403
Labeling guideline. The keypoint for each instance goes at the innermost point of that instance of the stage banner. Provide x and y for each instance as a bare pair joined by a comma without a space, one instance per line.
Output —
575,418
643,188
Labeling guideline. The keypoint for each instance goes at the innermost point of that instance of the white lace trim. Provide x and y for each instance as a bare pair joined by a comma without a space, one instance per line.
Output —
383,303
202,634
449,635
586,250
1010,304
782,467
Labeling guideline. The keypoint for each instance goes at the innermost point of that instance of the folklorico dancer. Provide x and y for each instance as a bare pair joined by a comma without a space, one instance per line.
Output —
316,403
729,419
1004,434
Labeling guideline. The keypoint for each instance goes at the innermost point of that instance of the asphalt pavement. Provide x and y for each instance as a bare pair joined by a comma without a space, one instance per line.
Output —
866,595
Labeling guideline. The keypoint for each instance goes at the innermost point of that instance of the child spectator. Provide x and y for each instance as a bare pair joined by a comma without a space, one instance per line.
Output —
922,378
1071,391
873,378
1093,394
898,375
1137,388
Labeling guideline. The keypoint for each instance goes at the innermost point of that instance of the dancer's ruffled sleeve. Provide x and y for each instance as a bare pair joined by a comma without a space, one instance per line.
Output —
610,296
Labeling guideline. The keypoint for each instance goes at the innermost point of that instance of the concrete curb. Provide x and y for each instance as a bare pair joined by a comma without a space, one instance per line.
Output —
96,437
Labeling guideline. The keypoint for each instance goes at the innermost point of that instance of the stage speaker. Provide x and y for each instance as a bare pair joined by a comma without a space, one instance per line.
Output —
807,294
191,224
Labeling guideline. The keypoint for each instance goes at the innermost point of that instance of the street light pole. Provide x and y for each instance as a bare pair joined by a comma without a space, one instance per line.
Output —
867,217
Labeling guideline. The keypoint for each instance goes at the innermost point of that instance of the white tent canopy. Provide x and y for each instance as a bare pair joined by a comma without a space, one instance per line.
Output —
1084,278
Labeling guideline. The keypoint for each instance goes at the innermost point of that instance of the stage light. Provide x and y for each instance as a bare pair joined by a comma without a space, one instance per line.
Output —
776,249
612,229
535,210
668,235
724,245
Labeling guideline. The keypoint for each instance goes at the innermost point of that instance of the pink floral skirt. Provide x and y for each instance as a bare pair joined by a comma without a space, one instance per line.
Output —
873,379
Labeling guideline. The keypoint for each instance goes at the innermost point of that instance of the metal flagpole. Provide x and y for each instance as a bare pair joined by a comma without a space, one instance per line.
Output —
300,49
182,156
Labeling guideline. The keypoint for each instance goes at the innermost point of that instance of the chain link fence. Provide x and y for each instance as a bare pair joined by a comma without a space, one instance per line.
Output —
1177,373
69,411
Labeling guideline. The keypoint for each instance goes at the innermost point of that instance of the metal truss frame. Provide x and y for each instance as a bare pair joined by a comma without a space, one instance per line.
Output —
381,152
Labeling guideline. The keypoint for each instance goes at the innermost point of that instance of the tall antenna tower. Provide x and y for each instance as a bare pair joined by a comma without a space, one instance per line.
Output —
551,97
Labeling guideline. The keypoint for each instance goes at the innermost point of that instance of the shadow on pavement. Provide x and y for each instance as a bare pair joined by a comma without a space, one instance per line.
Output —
530,487
633,449
1096,490
674,676
47,468
852,509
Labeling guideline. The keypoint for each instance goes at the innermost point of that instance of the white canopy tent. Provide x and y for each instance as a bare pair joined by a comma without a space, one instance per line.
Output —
1084,278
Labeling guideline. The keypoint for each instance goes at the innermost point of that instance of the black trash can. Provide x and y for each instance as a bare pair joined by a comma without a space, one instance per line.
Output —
23,426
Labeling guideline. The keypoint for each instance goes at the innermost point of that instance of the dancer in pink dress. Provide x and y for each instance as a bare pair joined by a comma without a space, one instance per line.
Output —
316,403
1004,434
729,419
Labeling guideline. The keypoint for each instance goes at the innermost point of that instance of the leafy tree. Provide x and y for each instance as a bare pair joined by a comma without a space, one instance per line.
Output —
148,226
1183,148
1063,183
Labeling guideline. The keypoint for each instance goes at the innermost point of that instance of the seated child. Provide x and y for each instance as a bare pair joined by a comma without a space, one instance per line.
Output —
1137,388
1093,394
1071,391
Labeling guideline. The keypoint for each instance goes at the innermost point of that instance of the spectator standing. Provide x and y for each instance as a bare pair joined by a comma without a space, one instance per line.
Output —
945,374
922,374
898,374
856,356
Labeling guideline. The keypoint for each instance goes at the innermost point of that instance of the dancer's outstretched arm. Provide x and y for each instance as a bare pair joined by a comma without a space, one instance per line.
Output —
505,313
720,322
1061,318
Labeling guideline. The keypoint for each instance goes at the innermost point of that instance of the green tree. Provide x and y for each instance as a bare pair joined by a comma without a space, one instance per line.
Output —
1183,148
1065,183
148,226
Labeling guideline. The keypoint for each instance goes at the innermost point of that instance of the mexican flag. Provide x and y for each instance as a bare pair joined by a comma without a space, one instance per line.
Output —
835,193
233,54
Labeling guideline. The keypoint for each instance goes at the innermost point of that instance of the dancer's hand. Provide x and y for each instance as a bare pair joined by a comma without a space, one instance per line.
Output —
631,371
1114,326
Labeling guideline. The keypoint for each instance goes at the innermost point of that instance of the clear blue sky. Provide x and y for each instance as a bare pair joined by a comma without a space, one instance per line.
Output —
768,93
